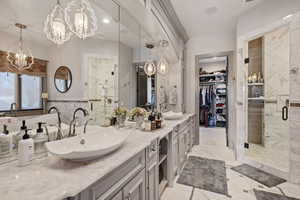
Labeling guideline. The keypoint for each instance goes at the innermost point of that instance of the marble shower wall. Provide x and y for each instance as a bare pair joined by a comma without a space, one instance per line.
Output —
277,89
295,99
103,87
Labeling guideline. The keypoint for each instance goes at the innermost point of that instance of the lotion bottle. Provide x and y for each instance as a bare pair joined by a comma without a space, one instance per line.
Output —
25,150
5,142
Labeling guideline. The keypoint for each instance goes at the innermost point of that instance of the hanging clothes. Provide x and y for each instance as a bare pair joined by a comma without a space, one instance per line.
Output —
207,105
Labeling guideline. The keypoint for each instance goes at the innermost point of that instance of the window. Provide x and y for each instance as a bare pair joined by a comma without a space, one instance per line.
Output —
31,92
24,90
7,90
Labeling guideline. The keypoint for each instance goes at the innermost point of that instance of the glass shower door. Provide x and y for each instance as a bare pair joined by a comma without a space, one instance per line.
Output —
268,99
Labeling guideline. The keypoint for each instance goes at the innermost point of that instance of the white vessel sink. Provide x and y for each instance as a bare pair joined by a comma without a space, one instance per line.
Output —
98,142
172,115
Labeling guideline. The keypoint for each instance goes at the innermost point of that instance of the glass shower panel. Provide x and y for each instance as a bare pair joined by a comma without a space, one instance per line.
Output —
268,99
101,59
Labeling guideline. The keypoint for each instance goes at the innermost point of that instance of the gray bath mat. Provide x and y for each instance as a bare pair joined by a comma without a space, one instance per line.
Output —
258,175
205,174
262,195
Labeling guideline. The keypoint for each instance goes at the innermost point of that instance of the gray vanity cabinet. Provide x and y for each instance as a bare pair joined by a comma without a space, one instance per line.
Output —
138,178
118,196
181,152
175,155
152,176
135,189
152,183
125,183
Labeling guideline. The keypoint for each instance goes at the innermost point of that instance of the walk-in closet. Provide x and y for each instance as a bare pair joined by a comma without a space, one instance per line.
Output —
213,96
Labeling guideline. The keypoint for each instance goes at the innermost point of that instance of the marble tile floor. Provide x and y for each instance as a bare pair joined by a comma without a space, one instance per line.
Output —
269,156
239,186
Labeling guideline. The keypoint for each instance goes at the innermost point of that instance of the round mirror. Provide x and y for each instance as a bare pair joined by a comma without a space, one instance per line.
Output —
63,79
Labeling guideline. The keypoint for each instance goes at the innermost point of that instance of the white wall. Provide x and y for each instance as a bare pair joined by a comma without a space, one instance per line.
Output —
10,42
65,55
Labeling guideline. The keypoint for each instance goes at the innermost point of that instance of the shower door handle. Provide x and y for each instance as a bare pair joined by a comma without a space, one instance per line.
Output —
285,113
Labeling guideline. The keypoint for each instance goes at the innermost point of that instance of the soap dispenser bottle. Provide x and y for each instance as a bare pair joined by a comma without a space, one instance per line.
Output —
25,149
40,129
40,139
20,134
5,142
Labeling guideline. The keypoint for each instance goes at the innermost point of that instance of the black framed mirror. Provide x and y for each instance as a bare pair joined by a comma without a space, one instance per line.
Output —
63,79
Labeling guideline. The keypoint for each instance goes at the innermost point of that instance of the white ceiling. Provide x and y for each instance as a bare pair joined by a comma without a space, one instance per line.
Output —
210,16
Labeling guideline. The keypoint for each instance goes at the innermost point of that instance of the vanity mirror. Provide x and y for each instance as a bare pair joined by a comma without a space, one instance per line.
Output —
63,79
136,88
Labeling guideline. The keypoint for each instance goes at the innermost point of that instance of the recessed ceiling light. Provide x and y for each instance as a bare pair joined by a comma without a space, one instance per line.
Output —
105,20
287,17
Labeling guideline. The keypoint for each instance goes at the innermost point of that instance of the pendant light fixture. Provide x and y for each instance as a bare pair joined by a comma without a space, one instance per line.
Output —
81,19
163,66
22,58
150,68
55,26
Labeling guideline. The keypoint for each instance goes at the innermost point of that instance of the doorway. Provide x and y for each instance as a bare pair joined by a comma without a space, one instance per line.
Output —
146,88
268,92
213,100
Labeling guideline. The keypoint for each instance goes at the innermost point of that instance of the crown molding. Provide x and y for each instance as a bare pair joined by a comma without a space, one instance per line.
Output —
166,8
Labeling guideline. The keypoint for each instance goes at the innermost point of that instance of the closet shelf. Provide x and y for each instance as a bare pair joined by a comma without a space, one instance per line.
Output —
212,75
256,98
255,84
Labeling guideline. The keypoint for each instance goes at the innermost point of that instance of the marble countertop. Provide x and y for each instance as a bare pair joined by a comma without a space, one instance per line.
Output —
54,179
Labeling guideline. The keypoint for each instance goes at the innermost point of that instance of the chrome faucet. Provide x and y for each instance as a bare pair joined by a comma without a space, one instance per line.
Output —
74,120
86,123
59,135
58,115
13,109
72,127
85,112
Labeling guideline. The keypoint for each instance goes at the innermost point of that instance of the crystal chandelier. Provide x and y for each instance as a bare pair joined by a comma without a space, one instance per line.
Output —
149,67
22,59
55,27
81,19
163,65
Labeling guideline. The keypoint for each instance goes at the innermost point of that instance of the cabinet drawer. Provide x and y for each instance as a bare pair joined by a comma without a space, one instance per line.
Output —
108,186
